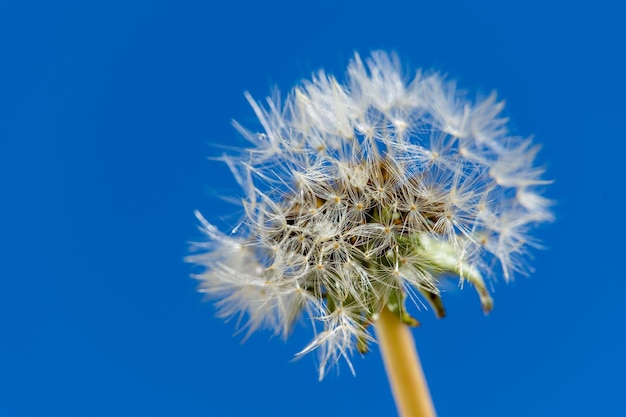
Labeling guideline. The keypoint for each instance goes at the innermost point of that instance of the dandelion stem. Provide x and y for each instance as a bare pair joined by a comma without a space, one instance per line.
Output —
404,370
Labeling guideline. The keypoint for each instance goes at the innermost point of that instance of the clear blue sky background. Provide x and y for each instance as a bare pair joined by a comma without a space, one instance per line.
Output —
108,111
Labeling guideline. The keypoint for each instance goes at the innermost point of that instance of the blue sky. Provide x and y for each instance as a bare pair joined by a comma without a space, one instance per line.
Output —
108,111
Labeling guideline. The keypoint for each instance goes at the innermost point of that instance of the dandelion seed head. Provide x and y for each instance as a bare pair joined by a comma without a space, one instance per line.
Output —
361,194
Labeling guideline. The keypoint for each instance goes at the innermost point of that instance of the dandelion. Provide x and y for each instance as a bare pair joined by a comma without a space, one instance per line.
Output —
359,196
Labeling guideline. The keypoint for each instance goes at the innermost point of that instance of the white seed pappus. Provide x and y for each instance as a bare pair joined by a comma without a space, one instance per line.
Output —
363,194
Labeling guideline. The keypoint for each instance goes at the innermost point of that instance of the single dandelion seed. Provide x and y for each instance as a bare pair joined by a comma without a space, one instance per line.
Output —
359,196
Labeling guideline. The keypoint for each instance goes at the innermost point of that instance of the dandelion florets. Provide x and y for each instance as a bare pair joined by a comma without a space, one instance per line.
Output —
357,195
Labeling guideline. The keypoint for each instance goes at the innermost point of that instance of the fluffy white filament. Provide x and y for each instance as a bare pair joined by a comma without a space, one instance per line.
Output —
358,193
